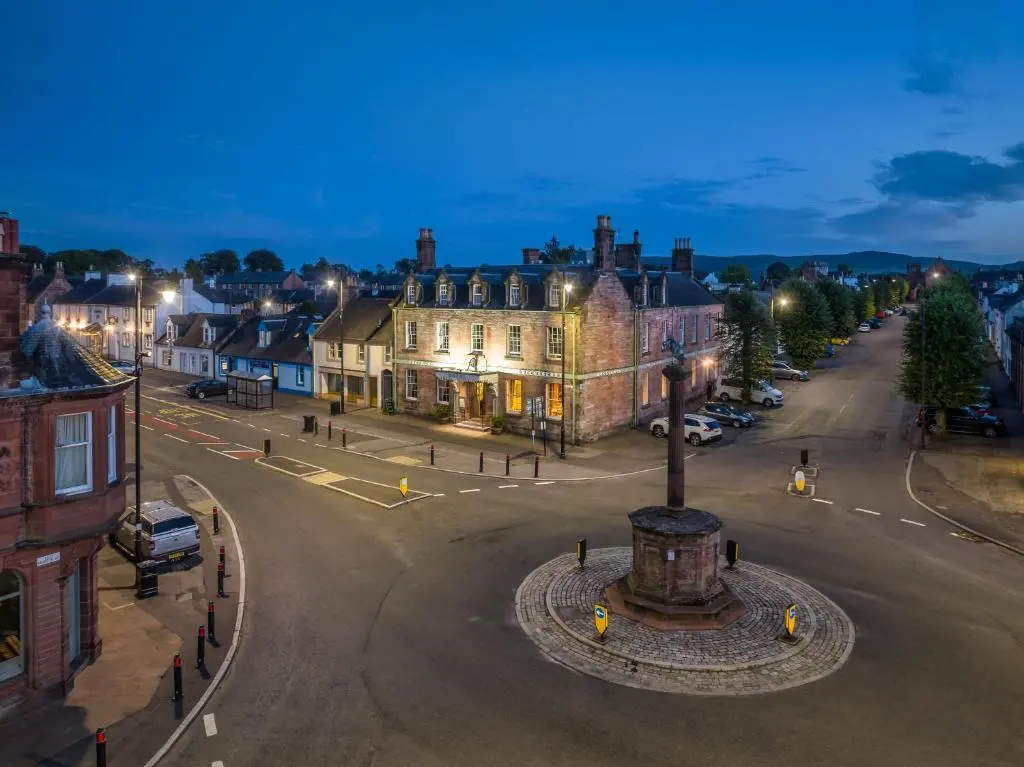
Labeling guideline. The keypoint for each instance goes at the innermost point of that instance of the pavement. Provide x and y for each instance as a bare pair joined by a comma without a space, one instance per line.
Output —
129,690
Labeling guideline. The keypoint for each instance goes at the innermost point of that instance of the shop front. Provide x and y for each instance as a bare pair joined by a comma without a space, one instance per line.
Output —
473,397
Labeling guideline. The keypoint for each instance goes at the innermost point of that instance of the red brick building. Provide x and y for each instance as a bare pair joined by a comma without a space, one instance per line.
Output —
489,340
61,474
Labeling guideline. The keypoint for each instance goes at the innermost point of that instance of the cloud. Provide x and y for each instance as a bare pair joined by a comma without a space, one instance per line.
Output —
899,220
951,177
931,76
772,167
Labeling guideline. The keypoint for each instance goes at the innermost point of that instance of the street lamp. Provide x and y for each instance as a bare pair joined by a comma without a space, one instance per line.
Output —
341,343
137,280
924,419
783,301
565,348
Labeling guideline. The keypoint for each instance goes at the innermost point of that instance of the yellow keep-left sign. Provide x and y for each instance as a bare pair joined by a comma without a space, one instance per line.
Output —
600,619
790,620
403,486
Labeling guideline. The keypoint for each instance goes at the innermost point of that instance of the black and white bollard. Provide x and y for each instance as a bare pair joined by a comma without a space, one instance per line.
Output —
177,677
216,521
211,622
201,647
220,580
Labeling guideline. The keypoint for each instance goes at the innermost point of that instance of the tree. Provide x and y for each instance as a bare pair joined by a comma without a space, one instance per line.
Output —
904,290
840,306
747,336
193,269
263,260
219,262
554,253
952,350
880,292
777,271
868,298
366,275
405,265
844,270
735,274
806,323
33,254
898,290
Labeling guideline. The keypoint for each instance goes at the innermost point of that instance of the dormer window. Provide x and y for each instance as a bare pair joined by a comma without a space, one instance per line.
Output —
171,331
514,294
555,295
442,293
410,294
478,294
209,334
264,341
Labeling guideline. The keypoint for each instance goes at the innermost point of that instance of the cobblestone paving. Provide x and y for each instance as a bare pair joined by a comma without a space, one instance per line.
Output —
555,603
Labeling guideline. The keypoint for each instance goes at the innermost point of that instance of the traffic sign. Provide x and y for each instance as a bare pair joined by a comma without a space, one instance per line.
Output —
790,621
581,551
800,481
403,486
601,619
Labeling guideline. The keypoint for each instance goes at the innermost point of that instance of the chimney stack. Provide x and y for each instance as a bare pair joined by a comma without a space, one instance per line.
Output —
58,270
9,234
37,268
604,244
531,255
426,250
682,256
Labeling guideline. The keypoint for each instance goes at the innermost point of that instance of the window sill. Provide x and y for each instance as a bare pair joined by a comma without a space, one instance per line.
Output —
412,399
442,351
518,357
72,492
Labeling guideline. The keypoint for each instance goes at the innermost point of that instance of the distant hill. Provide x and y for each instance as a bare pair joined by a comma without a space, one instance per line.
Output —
867,261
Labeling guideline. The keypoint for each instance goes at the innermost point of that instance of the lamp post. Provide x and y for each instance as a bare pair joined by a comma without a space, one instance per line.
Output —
924,420
782,303
137,279
567,289
341,341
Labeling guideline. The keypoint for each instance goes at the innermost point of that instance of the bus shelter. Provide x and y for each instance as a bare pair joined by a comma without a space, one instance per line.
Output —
254,391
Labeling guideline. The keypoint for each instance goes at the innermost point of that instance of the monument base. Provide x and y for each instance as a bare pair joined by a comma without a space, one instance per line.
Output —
717,613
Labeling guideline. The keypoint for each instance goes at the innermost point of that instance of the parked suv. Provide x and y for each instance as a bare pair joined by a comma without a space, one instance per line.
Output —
699,428
760,391
782,369
963,420
168,533
210,387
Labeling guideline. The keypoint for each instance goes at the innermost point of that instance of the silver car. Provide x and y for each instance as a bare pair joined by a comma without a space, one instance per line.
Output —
168,533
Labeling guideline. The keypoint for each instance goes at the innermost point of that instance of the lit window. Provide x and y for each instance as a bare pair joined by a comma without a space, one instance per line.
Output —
514,294
664,388
645,389
442,336
361,353
555,343
478,338
410,293
444,392
515,341
112,444
410,335
12,633
478,294
332,350
442,293
514,395
412,386
554,391
73,472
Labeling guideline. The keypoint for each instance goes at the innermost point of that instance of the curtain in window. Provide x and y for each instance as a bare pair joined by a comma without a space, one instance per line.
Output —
72,451
112,444
11,650
74,615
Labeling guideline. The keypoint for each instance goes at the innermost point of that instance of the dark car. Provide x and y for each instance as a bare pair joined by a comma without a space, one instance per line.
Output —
211,387
963,420
725,413
830,351
875,323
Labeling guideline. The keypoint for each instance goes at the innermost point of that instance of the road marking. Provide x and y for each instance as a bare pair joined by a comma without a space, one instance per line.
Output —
171,436
822,500
474,490
912,522
218,763
265,429
161,420
869,511
147,428
502,487
210,725
301,439
544,483
226,455
121,607
204,434
234,420
251,425
283,434
213,443
439,495
848,401
254,449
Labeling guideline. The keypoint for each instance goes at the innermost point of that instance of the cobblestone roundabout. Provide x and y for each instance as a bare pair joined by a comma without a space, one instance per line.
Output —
555,603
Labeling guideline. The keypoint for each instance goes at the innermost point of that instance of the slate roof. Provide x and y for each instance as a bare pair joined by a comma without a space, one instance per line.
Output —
37,285
288,342
223,295
252,278
99,292
365,321
189,329
81,293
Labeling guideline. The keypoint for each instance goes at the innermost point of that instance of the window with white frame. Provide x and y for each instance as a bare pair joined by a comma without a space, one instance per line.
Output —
332,350
442,337
112,443
514,336
478,294
208,334
645,339
387,354
410,293
168,357
172,331
707,326
412,385
442,293
264,340
147,316
693,328
444,392
514,294
477,337
682,329
204,365
410,335
555,343
147,340
554,295
73,445
361,353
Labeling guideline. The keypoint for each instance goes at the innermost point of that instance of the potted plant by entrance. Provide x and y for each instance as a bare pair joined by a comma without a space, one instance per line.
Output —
497,424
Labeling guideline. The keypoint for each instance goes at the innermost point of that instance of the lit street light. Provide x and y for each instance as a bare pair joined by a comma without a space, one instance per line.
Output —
783,301
567,289
341,344
137,280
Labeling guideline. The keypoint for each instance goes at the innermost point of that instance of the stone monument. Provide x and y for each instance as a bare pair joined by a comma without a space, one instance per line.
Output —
674,583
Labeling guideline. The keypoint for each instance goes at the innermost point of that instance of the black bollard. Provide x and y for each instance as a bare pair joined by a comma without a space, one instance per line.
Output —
316,427
508,464
536,466
732,553
804,457
266,448
220,580
201,647
222,555
177,676
211,622
431,455
481,460
216,521
101,747
344,437
329,431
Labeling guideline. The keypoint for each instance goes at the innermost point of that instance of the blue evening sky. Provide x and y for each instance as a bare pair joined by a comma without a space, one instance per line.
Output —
333,128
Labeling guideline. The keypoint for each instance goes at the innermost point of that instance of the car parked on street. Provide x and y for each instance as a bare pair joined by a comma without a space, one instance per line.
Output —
761,392
962,420
781,369
699,429
875,323
864,328
829,352
169,534
839,341
726,413
210,387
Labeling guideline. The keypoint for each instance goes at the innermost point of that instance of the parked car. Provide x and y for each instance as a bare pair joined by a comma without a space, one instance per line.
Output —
210,387
875,323
840,341
782,369
864,328
699,429
903,311
125,367
981,408
168,533
761,392
962,420
829,351
725,413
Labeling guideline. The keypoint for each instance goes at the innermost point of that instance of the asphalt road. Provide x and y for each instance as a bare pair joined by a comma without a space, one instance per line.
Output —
387,637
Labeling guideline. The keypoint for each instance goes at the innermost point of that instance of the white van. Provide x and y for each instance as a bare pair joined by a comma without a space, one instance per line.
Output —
760,391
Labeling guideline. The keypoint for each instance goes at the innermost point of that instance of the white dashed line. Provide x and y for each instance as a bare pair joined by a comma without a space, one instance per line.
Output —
171,436
912,522
254,449
226,455
544,483
204,434
213,443
439,495
210,725
283,434
251,425
301,439
502,487
822,500
265,429
869,511
474,490
218,763
147,428
235,420
161,420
